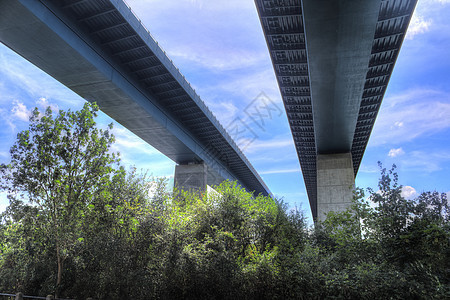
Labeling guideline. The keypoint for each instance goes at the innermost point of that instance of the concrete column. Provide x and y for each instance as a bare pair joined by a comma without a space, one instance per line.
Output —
335,183
191,177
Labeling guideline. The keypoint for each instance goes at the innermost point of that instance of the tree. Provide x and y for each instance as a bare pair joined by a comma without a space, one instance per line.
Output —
60,165
393,240
71,205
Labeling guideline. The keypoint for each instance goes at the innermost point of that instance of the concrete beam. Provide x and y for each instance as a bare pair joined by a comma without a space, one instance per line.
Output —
335,183
339,37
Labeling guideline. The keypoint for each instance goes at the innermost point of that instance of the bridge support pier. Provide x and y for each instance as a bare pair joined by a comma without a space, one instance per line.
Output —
191,177
335,183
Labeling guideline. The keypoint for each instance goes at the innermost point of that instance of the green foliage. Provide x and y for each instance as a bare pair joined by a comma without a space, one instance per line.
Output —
73,206
398,247
59,166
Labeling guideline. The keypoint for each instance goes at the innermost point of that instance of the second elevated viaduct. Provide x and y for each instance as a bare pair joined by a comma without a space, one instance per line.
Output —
333,60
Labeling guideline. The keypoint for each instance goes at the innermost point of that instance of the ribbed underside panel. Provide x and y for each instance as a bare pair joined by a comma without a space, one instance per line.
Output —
391,27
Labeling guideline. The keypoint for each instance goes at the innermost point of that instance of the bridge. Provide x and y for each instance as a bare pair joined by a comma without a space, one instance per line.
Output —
333,60
101,51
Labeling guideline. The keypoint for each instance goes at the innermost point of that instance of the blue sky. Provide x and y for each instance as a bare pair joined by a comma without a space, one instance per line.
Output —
220,48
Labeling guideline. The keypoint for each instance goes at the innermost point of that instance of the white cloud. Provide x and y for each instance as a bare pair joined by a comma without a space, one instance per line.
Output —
280,171
212,34
247,86
126,141
415,113
369,169
43,103
20,111
6,117
418,25
225,112
396,152
408,192
232,98
4,202
136,152
398,124
369,200
274,156
274,144
217,60
422,161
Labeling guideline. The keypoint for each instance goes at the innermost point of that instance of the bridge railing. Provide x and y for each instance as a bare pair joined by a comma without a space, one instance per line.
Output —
164,51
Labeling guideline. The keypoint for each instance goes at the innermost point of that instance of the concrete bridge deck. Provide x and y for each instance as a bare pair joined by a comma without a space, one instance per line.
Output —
333,60
100,50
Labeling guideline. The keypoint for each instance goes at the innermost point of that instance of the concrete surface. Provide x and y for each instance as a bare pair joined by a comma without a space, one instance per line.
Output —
335,183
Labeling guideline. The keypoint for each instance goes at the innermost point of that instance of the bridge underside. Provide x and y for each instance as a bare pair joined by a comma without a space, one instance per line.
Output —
333,60
101,51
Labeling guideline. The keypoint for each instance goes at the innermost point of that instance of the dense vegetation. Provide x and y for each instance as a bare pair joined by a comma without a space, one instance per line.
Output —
79,225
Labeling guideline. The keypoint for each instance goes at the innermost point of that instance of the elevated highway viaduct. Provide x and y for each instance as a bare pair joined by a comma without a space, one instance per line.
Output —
333,60
101,51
